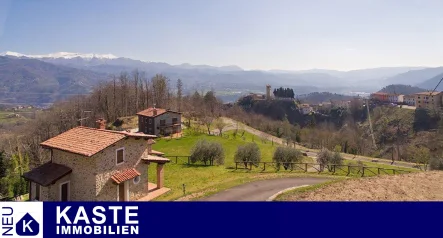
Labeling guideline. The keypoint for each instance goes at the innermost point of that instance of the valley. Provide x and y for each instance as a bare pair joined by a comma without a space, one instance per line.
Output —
43,79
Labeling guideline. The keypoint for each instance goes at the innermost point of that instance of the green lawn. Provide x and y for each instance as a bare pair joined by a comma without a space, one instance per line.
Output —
211,178
205,180
5,119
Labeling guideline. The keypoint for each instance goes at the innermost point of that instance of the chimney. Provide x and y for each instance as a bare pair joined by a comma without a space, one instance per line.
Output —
101,123
154,111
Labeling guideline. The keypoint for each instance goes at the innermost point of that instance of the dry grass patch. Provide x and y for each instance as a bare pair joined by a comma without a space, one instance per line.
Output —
425,186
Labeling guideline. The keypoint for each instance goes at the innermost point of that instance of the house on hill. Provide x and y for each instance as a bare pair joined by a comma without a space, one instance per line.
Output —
396,98
383,97
429,100
94,164
409,100
305,109
158,121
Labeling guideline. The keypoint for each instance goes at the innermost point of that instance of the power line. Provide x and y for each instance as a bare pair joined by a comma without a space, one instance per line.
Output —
436,86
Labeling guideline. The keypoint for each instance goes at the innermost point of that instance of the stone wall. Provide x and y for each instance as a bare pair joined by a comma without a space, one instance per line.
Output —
78,191
105,189
82,178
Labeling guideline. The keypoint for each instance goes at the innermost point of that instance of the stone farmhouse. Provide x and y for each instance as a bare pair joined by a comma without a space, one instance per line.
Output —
158,121
94,164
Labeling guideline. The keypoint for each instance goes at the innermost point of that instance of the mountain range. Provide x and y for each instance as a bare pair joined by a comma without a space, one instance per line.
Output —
61,74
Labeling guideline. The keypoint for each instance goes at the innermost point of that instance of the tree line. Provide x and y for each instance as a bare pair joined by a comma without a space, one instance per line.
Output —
284,92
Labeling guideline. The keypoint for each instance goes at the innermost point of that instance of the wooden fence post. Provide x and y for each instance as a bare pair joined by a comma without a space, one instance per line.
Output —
176,159
363,172
306,167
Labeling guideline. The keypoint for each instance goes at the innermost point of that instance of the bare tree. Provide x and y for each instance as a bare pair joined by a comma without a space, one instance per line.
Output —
207,121
220,125
160,90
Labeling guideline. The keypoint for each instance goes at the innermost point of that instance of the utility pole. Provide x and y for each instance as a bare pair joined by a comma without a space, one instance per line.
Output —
370,124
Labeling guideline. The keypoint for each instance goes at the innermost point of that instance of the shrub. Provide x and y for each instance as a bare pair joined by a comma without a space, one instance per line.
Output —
285,156
249,153
326,157
207,152
336,158
436,163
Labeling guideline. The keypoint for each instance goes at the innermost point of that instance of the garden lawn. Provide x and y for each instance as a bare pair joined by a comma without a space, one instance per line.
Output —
209,179
205,180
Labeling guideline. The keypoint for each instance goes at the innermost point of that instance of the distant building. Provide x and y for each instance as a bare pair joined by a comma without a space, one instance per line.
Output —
325,105
409,100
428,100
158,121
395,98
257,96
383,97
305,109
341,103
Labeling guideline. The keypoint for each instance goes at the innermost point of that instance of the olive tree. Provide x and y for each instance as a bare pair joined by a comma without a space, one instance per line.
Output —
249,153
207,152
286,156
326,157
419,155
220,125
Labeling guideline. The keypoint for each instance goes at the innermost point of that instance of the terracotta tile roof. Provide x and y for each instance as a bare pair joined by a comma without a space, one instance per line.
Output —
88,141
156,159
125,175
150,112
154,152
47,173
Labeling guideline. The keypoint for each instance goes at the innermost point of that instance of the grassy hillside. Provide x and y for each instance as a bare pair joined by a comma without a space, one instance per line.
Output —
203,180
209,179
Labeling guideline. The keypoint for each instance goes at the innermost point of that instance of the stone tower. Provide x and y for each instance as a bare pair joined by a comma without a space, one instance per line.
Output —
268,92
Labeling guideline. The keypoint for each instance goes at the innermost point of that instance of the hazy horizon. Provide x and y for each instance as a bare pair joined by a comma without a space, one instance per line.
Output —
266,35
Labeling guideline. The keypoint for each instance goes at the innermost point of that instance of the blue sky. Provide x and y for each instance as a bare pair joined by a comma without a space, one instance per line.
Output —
254,34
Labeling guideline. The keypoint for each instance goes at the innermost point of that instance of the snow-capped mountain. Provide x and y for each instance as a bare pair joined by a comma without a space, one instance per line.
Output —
108,63
64,55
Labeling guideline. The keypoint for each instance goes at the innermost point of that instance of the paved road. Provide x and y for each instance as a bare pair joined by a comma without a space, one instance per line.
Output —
261,190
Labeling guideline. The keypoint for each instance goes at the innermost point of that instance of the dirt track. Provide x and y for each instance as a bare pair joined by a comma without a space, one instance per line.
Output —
425,186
